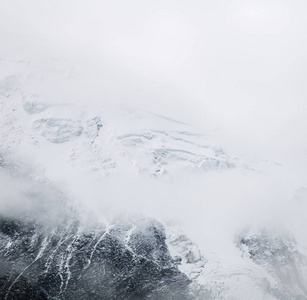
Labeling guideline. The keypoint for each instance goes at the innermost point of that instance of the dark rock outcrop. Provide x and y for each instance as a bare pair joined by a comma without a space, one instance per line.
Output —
126,260
279,256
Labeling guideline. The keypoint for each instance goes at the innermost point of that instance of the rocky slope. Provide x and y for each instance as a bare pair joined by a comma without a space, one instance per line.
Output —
128,260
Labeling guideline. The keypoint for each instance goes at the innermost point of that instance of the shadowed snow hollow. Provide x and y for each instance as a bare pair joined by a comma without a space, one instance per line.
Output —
58,130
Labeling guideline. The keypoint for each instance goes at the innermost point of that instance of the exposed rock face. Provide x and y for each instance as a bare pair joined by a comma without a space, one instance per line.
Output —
279,256
128,260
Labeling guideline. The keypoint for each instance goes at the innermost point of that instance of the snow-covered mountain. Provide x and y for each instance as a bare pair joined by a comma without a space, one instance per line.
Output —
102,138
75,219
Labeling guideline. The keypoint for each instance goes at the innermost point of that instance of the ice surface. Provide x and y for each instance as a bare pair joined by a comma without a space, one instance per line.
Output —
58,130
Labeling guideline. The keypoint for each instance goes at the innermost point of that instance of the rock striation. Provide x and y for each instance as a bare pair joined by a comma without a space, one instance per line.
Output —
126,260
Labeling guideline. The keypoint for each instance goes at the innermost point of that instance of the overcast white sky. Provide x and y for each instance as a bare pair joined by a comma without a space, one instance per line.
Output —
235,67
